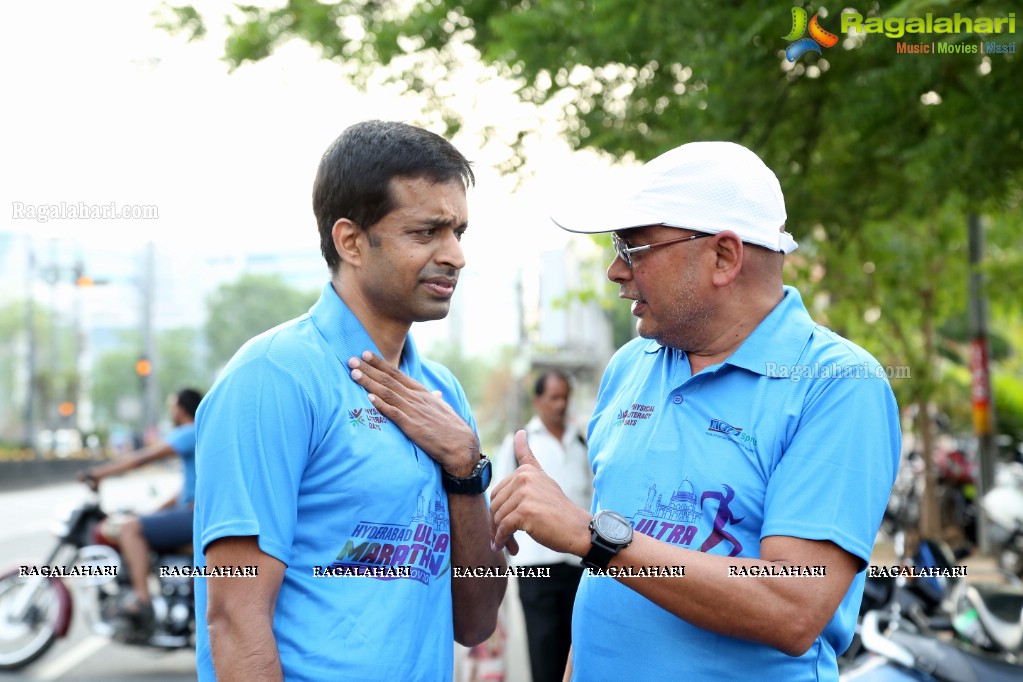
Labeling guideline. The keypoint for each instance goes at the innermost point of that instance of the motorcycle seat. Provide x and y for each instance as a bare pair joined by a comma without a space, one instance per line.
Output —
1000,611
949,663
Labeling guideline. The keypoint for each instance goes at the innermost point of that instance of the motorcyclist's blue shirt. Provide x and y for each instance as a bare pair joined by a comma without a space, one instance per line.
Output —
292,451
795,434
182,439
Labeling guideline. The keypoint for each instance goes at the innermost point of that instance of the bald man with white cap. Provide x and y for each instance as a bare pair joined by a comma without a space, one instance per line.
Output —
742,454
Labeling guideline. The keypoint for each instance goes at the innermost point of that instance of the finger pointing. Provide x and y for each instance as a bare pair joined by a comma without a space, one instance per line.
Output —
522,452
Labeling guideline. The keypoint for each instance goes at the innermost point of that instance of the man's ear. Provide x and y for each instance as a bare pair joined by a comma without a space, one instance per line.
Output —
346,234
728,250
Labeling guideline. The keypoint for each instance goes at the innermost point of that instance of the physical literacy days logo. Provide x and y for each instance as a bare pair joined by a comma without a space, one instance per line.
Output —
818,36
631,416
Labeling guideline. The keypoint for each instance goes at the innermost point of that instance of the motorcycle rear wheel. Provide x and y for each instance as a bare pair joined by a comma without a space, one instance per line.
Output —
23,641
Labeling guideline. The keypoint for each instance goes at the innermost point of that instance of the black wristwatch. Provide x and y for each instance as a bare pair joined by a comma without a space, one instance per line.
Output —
473,484
612,533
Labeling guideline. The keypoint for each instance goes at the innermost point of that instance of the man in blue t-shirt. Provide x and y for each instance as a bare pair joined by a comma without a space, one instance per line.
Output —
166,530
742,455
338,470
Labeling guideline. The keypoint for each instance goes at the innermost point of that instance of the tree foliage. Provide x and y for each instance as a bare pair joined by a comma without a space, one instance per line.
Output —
249,306
177,364
855,134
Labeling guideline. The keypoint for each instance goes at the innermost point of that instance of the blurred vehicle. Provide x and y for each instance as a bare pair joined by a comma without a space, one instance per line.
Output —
1003,506
60,442
956,491
897,652
36,604
936,625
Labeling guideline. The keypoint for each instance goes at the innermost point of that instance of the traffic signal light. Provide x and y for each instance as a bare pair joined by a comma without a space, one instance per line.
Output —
143,367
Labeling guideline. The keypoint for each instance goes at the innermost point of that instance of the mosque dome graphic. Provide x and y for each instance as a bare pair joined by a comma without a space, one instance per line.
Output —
683,505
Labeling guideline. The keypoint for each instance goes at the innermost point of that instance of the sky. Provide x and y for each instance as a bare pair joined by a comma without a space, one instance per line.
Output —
104,107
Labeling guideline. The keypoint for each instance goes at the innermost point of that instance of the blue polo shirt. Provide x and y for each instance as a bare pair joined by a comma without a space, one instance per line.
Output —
796,433
292,451
182,440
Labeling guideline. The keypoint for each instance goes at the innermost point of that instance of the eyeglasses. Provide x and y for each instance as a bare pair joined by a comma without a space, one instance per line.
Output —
625,252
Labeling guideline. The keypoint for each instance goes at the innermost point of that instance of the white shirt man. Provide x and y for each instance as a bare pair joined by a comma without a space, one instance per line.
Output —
547,601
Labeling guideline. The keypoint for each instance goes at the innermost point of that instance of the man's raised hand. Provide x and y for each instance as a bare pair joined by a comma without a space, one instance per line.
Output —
531,501
421,414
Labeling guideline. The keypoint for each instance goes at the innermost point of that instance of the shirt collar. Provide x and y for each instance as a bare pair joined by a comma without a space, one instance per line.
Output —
344,333
779,339
536,425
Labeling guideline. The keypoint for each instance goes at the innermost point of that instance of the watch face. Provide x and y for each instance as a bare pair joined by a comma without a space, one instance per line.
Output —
485,473
613,526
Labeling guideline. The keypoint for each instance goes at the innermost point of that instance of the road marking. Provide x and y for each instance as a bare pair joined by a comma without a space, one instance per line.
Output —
58,667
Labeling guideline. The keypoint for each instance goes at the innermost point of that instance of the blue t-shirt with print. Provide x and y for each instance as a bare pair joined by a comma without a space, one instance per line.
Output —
795,434
292,451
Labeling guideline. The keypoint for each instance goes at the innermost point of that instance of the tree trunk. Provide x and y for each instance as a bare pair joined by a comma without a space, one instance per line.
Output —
930,509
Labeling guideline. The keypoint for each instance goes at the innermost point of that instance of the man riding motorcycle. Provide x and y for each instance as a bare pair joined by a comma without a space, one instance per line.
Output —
170,527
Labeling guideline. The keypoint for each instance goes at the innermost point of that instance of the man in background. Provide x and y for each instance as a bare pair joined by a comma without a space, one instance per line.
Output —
547,601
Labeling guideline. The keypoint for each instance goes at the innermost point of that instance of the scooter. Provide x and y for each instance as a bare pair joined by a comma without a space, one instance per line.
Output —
36,605
898,653
1003,506
939,628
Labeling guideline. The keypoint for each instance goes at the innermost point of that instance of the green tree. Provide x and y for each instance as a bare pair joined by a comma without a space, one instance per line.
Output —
56,377
249,306
178,364
114,380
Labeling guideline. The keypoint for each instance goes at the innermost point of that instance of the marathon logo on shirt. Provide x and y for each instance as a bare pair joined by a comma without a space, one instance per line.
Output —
676,521
633,415
422,545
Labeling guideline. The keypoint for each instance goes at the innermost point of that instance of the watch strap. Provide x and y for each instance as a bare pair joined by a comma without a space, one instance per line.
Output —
600,554
473,484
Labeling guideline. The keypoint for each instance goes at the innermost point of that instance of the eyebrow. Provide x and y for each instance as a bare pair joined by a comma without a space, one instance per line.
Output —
441,222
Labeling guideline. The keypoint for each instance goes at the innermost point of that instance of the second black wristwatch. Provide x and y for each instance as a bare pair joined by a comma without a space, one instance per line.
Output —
612,533
473,484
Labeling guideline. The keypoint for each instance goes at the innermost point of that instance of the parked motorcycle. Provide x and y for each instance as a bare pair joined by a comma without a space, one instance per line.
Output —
1003,506
36,604
937,625
926,601
898,653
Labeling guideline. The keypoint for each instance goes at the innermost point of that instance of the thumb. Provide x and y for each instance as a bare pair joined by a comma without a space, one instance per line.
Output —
522,452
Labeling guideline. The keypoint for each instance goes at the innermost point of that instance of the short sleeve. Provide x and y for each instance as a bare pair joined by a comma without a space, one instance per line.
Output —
834,479
254,436
182,440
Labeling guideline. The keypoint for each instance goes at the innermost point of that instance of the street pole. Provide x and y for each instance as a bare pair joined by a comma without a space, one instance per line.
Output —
30,333
50,404
982,400
149,415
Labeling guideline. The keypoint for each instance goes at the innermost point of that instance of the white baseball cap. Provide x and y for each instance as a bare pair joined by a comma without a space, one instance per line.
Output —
702,186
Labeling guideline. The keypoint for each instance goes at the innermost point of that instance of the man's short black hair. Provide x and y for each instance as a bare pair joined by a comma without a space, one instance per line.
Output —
188,400
355,173
541,381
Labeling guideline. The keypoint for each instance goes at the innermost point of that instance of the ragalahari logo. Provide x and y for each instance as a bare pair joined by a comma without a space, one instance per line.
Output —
818,36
